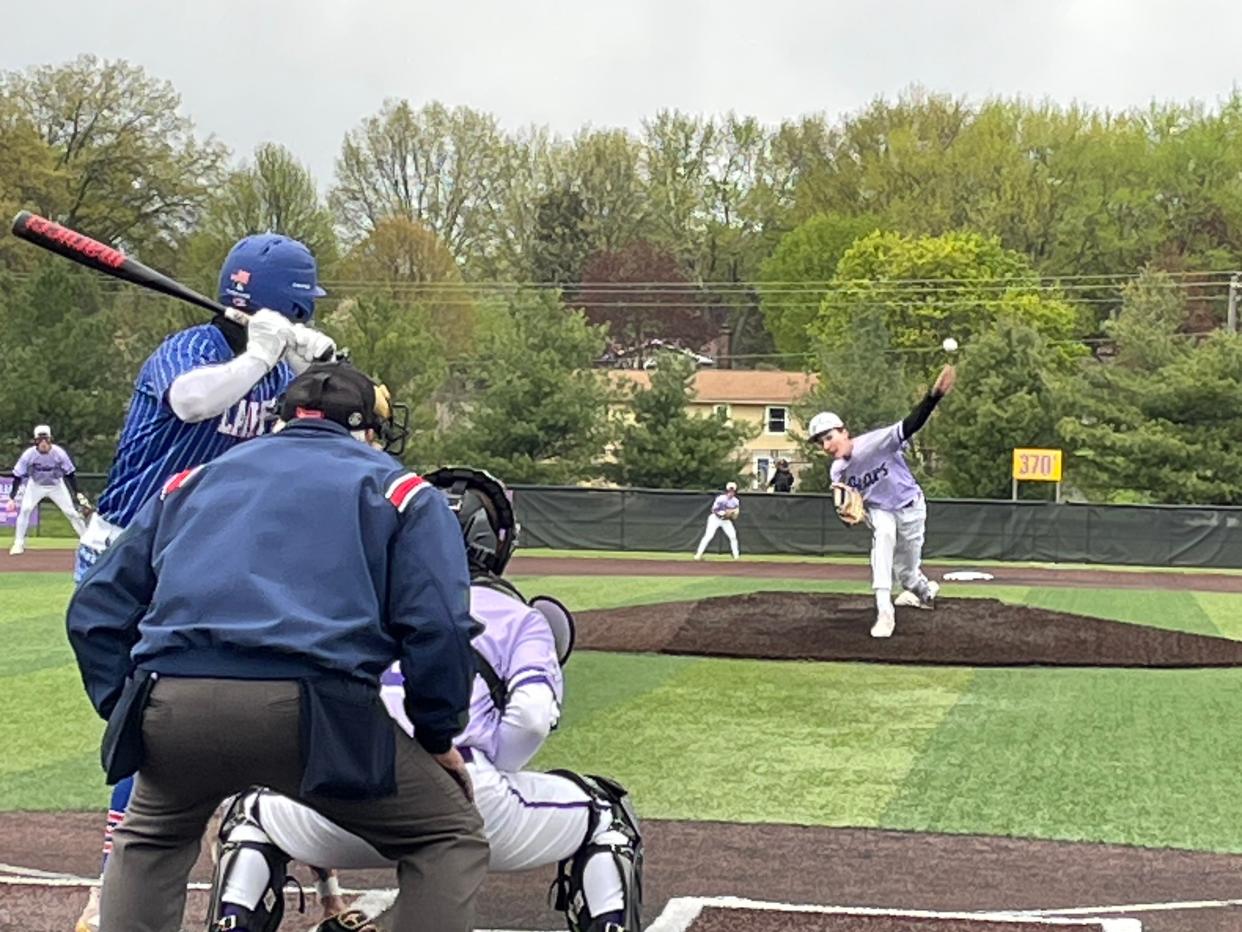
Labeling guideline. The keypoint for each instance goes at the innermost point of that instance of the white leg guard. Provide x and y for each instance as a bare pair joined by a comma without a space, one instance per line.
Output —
610,862
247,889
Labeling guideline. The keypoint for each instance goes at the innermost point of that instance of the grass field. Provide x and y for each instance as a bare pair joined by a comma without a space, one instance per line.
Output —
1132,756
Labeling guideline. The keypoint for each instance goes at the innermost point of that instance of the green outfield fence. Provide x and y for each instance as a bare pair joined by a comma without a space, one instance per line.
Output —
574,518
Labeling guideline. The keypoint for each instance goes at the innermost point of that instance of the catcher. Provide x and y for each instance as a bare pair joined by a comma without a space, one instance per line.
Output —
725,509
871,482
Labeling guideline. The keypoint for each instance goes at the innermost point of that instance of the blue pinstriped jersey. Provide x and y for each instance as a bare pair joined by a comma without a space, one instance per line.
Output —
156,444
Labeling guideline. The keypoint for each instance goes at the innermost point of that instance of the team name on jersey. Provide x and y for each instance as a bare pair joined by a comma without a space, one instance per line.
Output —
868,479
247,419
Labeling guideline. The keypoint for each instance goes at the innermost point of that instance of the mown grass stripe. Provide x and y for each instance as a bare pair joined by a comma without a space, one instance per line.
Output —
1131,756
762,741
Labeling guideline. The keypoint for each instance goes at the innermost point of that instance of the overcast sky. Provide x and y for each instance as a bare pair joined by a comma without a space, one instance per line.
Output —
303,72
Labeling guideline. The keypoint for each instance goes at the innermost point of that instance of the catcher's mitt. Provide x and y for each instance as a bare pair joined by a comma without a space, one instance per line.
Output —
848,503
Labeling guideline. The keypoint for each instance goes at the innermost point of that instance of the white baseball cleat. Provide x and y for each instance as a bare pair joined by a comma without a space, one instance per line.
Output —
911,599
17,549
885,621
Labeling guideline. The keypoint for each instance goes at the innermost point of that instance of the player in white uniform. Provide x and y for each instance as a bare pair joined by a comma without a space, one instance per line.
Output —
725,507
583,823
44,470
873,465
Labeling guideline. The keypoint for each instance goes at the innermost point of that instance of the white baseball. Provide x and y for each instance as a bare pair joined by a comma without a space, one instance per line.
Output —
949,344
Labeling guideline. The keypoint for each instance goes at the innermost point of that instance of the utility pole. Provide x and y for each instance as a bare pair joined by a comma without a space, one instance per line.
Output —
1231,319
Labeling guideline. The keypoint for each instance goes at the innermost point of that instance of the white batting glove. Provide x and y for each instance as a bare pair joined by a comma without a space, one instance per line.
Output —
307,346
268,335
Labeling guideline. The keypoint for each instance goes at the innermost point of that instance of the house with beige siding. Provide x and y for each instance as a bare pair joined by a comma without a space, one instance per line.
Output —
765,398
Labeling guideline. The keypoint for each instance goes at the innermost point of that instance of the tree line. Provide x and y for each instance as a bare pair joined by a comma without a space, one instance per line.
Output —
1080,256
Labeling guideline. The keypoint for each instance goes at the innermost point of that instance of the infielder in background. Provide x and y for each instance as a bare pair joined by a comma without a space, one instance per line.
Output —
44,470
531,819
872,482
725,508
201,392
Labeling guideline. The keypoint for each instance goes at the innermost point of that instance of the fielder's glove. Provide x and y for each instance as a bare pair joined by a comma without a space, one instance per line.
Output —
352,920
848,503
730,514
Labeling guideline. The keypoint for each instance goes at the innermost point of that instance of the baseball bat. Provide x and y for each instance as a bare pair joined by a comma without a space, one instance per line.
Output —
93,254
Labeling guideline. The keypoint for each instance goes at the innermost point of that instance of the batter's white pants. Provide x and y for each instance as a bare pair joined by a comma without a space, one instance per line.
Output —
32,494
530,819
897,546
715,524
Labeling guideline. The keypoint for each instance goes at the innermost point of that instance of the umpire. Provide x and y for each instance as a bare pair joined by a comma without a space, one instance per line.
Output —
235,634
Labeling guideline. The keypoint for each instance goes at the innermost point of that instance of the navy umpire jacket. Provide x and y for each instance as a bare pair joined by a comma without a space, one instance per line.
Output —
301,555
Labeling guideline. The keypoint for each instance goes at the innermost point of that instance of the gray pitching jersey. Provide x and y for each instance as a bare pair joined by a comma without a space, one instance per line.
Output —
878,470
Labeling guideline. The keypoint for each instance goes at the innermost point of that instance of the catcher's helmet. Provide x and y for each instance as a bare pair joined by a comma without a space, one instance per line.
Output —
821,424
42,431
481,503
271,271
339,392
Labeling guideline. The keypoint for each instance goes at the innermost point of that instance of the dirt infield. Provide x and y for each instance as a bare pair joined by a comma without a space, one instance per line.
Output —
849,867
61,561
827,626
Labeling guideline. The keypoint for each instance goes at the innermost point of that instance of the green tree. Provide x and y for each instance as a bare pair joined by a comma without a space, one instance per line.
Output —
529,406
127,166
794,278
273,193
1006,398
863,381
400,345
408,264
436,166
63,370
1160,423
561,239
931,287
667,447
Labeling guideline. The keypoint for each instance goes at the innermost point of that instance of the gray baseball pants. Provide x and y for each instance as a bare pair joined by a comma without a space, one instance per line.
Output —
205,739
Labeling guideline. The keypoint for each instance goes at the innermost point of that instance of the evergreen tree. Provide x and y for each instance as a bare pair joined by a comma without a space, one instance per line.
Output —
665,446
529,406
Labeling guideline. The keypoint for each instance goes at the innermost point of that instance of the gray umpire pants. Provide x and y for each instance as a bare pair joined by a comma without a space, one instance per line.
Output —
205,739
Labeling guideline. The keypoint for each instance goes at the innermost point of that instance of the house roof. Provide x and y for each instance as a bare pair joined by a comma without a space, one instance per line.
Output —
732,386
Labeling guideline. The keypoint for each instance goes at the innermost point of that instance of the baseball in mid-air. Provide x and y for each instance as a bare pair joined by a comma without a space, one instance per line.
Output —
949,344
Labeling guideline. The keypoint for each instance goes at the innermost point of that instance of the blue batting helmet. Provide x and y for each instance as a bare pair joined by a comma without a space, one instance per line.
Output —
272,271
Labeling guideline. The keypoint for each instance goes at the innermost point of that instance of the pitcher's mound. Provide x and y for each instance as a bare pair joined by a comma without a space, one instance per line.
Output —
826,626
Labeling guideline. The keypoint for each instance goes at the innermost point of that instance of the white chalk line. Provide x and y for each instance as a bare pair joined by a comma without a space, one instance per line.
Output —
1132,908
680,913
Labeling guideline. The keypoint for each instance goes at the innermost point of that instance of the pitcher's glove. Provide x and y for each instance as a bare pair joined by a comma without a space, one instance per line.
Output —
85,508
352,920
848,503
